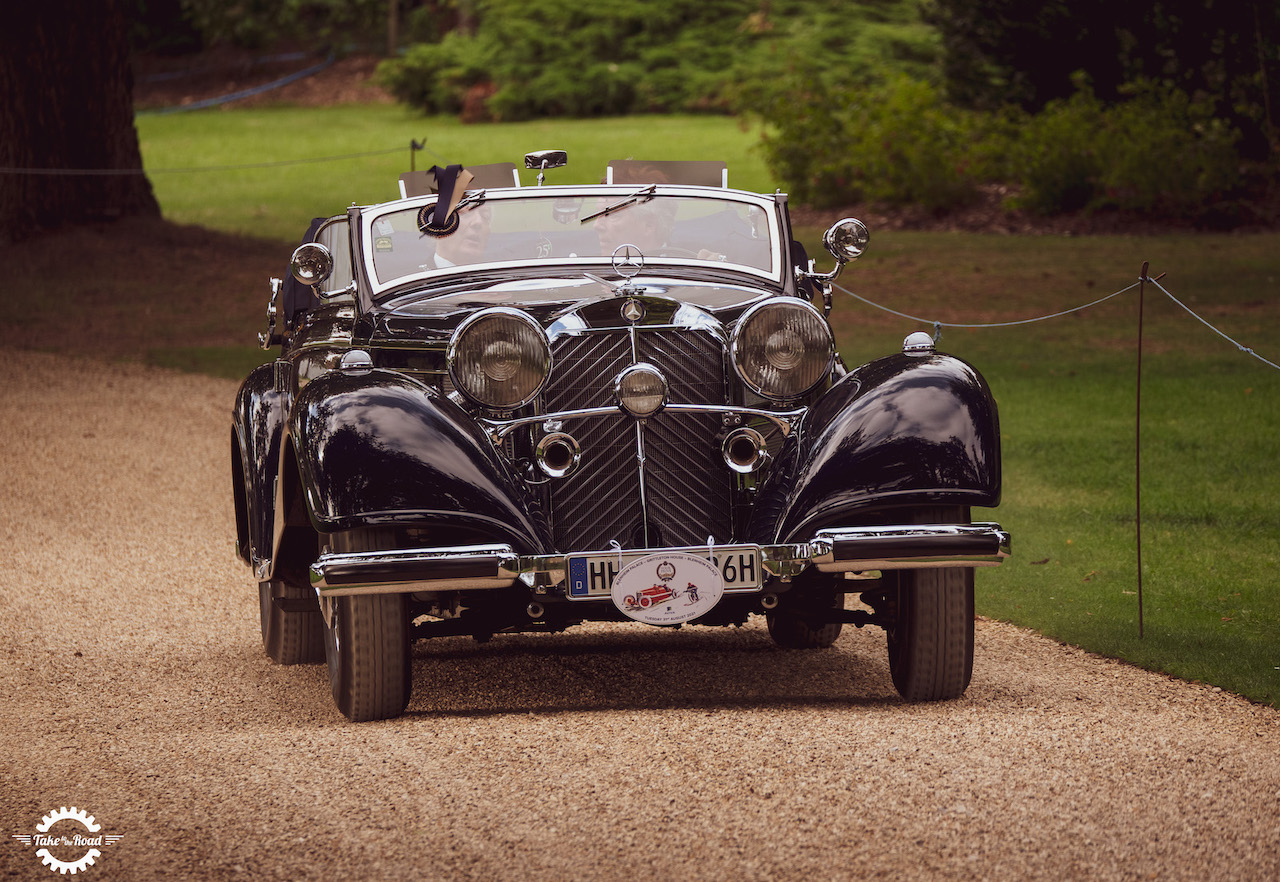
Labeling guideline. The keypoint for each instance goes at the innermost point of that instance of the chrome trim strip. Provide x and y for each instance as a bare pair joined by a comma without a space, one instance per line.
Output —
644,501
500,429
488,567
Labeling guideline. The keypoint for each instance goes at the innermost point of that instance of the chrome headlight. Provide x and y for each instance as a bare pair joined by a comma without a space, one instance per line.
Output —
641,390
782,348
499,358
311,264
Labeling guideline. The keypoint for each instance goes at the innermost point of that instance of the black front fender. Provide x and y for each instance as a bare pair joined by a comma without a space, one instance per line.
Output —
901,430
378,448
258,427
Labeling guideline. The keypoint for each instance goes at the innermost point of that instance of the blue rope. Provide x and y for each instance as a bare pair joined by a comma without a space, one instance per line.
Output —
243,93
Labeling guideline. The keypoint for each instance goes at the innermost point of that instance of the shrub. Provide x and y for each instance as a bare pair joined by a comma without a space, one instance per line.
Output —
615,57
435,77
897,142
1157,151
1167,153
566,58
1055,155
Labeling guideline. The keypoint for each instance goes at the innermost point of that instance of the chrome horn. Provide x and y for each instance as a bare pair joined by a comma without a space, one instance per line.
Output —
558,454
744,450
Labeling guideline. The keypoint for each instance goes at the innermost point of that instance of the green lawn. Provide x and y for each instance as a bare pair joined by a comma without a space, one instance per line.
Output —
277,201
1067,393
1066,387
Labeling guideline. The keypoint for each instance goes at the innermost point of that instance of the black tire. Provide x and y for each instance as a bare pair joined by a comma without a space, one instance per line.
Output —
367,643
931,644
931,640
793,629
292,629
367,646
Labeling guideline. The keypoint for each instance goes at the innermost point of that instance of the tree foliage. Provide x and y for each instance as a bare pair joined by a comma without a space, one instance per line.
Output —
188,25
1027,52
564,57
900,142
893,141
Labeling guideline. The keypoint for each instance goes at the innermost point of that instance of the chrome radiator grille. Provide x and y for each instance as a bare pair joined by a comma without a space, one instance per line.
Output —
686,483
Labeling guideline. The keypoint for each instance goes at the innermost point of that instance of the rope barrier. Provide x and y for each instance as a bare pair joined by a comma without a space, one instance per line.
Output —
1009,324
938,325
1143,279
73,172
243,93
1242,348
415,146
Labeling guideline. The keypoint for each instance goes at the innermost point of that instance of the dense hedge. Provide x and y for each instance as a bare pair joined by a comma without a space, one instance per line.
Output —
616,57
899,142
851,95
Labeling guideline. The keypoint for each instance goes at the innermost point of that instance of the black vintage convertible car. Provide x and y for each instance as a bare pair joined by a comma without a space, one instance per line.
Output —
499,408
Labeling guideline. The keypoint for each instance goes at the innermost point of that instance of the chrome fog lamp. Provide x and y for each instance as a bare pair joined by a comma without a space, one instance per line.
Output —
846,239
311,264
499,358
782,348
641,390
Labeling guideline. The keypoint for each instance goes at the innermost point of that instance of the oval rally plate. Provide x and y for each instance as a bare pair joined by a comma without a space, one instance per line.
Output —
667,588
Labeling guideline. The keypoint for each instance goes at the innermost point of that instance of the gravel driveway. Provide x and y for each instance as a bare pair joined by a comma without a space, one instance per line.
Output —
136,689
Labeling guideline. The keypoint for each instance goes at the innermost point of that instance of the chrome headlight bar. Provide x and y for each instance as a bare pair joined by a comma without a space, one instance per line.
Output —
500,429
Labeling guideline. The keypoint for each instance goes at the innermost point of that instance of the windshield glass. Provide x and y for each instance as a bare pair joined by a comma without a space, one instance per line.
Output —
556,228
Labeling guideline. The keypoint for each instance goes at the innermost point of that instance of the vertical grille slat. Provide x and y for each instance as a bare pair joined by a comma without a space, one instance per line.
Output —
686,483
601,501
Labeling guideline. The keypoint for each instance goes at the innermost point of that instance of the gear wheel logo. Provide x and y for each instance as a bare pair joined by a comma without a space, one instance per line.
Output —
68,839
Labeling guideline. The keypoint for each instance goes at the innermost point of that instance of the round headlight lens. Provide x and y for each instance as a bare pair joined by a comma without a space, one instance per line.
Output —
499,358
641,390
782,348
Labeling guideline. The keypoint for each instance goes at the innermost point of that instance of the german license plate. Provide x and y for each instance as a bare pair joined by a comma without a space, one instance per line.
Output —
592,575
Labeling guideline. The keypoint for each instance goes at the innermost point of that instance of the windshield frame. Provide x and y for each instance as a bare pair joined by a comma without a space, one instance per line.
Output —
449,277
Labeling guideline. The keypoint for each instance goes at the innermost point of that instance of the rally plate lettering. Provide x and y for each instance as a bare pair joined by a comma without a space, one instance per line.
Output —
590,576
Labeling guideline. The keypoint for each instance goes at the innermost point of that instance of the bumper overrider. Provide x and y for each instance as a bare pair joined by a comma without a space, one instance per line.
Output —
488,567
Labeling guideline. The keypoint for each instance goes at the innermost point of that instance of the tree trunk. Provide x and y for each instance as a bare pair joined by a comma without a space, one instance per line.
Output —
67,93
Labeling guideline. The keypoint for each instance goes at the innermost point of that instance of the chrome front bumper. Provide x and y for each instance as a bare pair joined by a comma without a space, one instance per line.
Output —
486,567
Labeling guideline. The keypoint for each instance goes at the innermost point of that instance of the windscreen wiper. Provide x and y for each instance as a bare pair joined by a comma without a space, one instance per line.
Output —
644,194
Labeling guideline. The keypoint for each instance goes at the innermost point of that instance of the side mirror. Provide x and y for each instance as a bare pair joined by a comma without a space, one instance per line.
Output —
311,264
545,159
